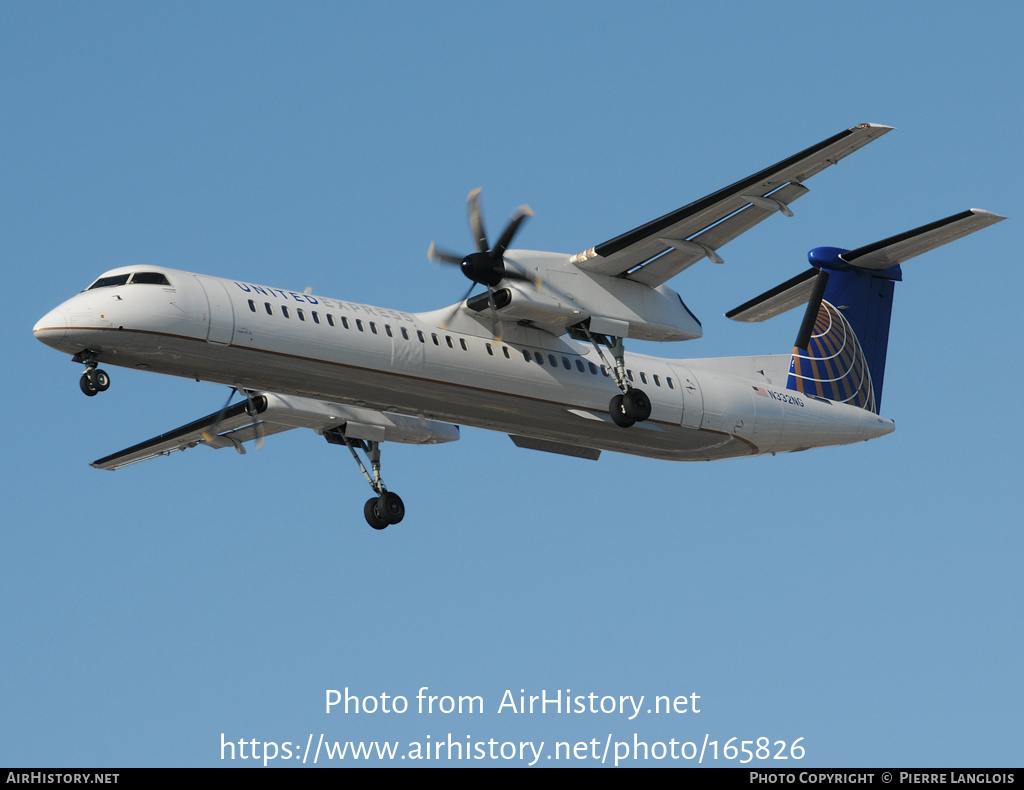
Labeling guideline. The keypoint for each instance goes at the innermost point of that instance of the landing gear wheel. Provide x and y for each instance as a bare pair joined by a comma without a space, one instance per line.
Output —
101,379
88,385
372,518
391,507
618,413
94,380
636,405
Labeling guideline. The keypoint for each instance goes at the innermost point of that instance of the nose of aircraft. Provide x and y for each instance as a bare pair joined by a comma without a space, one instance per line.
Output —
52,327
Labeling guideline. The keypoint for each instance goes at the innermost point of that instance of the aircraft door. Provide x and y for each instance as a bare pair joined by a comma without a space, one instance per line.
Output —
220,316
693,399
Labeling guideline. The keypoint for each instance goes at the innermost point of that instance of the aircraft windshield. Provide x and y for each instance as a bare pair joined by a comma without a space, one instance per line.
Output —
137,278
106,282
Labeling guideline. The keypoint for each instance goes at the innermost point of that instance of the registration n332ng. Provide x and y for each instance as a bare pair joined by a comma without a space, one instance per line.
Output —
539,354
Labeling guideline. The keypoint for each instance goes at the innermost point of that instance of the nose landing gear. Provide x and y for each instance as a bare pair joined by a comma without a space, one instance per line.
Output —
94,379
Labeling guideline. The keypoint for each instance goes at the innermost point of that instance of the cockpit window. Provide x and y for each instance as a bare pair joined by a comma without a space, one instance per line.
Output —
149,278
106,282
137,278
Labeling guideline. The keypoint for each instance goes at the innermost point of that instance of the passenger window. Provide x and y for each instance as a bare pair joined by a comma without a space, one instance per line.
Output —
462,342
344,322
507,355
448,338
565,363
330,319
668,380
490,351
643,377
526,355
434,337
419,334
300,314
252,305
373,327
593,368
657,381
359,324
270,310
284,311
316,318
630,374
538,357
552,360
387,330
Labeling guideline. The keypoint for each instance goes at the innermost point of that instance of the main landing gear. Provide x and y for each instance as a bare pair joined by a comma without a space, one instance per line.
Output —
387,507
93,380
633,405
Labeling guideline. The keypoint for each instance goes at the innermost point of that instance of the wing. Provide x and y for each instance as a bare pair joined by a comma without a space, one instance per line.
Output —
277,413
232,427
657,251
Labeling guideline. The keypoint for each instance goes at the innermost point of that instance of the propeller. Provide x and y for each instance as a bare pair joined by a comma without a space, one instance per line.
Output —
251,409
486,266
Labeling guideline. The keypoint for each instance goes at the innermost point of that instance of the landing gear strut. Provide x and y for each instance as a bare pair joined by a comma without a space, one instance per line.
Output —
633,405
387,507
93,380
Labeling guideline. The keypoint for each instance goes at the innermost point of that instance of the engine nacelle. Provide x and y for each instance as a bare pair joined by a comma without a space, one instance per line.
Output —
540,307
570,296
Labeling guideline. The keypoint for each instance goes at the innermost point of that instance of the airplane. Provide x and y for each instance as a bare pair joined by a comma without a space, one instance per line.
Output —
539,354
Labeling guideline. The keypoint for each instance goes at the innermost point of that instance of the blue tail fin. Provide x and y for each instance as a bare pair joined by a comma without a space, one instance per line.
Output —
840,351
843,359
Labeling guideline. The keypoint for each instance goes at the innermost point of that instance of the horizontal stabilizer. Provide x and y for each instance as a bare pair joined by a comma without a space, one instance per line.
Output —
889,252
779,299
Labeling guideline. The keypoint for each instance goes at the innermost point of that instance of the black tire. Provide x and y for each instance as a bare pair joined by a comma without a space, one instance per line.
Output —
372,517
101,379
636,405
618,414
391,507
88,385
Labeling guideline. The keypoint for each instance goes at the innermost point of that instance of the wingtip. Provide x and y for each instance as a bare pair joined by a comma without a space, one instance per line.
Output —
991,216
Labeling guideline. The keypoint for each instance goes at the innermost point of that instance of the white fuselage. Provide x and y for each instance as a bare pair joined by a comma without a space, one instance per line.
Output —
531,383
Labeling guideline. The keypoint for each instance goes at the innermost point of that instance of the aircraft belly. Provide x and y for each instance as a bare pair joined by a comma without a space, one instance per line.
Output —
526,401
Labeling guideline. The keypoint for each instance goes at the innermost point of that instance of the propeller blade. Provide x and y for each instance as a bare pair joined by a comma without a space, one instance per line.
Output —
495,321
486,265
455,308
534,280
442,256
476,221
510,230
214,429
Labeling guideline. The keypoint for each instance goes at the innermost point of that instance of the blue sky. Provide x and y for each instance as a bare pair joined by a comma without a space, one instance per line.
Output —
867,599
